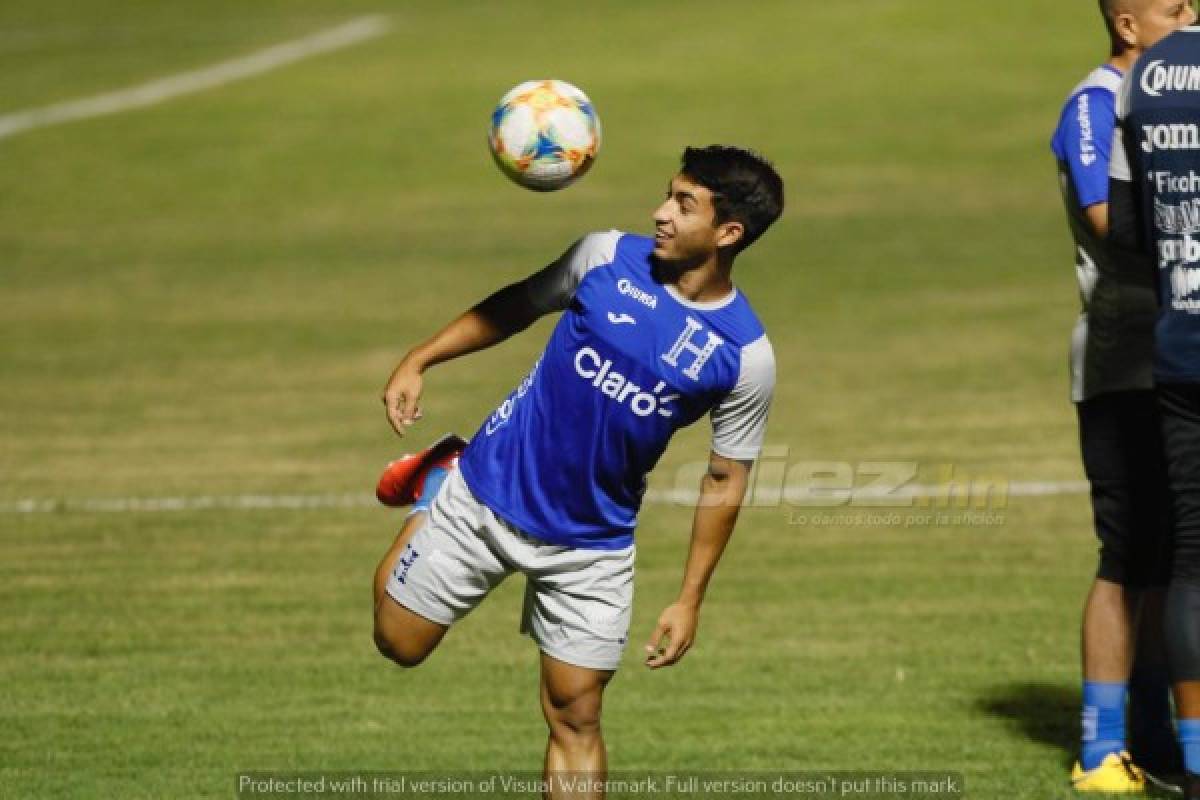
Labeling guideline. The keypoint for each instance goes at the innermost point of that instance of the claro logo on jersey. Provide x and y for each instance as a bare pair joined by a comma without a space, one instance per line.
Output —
1170,137
594,368
626,287
1158,78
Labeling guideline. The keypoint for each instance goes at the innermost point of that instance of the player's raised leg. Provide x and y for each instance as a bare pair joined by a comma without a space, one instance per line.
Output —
402,635
571,702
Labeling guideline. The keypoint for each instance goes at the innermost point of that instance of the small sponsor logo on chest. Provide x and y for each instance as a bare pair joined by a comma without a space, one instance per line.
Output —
1159,77
1170,137
627,288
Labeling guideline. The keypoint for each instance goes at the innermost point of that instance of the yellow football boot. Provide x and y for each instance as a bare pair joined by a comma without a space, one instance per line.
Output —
1116,774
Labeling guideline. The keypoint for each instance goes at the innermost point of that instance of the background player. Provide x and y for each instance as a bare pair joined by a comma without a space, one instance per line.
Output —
1155,197
1112,386
654,336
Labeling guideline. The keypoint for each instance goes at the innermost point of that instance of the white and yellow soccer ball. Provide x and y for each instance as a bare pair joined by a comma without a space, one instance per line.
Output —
544,134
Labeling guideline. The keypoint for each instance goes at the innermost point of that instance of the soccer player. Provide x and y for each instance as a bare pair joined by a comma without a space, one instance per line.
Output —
1155,197
653,336
1112,387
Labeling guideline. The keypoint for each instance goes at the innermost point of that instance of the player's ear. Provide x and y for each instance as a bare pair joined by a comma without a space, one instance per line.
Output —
1126,27
730,233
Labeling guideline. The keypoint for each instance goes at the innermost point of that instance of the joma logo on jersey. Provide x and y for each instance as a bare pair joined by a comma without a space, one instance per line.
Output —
701,353
1157,78
593,367
1170,137
626,287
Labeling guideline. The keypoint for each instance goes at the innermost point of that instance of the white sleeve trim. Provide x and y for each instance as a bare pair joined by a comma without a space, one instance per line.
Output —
552,288
739,421
1118,165
1124,93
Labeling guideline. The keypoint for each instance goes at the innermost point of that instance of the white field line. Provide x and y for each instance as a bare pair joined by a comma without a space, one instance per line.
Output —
255,502
157,91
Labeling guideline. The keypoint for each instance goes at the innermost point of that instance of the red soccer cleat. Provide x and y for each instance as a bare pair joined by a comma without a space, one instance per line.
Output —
404,478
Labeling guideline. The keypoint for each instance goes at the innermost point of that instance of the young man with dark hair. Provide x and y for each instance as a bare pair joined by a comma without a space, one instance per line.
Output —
1155,209
1119,429
653,336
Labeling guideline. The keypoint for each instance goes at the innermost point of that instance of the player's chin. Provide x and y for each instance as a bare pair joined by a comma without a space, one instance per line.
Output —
664,252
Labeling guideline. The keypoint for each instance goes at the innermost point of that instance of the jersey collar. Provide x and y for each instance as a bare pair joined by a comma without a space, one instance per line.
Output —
711,305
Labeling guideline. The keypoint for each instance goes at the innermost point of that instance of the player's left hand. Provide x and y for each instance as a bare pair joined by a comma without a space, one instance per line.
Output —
677,624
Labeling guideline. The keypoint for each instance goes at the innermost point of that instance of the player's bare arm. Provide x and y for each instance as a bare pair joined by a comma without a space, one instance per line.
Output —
493,320
1097,217
721,493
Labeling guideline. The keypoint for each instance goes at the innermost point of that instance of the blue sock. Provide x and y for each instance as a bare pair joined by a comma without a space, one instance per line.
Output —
433,482
1103,721
1189,740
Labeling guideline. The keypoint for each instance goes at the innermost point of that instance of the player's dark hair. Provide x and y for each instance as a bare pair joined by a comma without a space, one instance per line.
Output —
745,187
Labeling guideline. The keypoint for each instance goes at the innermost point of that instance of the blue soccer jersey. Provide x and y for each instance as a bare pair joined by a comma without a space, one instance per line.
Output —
565,456
1157,154
1112,343
1082,140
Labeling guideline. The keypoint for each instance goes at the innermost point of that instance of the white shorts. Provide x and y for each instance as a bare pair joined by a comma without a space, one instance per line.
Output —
578,602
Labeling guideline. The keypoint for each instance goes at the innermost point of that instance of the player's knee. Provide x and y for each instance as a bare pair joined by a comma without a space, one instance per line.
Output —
1113,566
395,647
573,719
574,728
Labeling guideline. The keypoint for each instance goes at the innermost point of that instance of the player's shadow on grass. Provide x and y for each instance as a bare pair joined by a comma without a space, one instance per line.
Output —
1044,712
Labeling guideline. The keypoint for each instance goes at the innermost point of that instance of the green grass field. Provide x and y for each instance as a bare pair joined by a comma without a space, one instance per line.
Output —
204,297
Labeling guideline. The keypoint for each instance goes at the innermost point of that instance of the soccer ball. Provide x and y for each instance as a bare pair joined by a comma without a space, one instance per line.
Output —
544,134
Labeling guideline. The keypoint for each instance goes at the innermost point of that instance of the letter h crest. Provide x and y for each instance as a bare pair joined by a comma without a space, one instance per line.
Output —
702,353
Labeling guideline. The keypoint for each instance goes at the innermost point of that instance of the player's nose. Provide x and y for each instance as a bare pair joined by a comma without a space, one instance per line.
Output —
661,214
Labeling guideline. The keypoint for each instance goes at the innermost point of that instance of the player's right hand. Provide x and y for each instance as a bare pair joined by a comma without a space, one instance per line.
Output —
401,395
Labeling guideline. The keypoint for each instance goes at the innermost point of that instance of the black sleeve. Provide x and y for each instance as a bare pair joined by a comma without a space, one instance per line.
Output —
1127,234
1125,230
